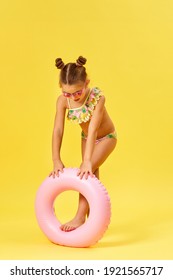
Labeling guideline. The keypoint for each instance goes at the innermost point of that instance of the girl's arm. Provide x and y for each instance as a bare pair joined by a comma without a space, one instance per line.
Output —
57,136
94,125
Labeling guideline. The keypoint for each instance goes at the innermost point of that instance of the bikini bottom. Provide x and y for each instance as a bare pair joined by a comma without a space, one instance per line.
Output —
110,135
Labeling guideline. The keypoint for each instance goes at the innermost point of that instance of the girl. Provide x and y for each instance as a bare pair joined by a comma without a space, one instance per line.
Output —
86,107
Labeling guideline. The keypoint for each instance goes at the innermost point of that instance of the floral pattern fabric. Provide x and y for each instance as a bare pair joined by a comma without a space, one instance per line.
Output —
84,113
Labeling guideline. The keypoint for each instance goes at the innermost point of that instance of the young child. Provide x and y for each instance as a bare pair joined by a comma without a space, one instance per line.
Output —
86,107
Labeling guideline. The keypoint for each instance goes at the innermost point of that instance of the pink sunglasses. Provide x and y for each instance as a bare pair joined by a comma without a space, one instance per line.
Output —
77,93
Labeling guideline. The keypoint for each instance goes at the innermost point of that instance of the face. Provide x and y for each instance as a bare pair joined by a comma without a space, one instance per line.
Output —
76,91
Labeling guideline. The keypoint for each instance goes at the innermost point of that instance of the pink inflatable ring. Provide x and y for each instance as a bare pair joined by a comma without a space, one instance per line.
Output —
100,209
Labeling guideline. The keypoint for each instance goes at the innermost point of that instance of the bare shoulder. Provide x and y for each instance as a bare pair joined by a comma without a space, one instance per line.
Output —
102,100
61,102
100,105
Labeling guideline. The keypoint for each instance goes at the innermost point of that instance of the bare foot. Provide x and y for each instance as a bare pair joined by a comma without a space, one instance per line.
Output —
73,224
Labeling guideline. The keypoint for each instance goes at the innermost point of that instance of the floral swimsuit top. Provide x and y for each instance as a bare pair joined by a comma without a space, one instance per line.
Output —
84,112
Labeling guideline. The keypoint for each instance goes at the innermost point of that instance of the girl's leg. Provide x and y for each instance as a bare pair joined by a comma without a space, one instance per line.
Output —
83,210
101,151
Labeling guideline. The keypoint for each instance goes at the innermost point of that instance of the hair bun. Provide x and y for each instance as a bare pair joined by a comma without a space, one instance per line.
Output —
80,61
59,63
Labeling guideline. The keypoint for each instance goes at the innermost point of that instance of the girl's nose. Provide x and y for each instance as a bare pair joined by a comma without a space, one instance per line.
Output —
75,98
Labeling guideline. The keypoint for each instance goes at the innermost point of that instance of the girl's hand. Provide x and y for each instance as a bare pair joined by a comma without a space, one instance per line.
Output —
57,166
85,170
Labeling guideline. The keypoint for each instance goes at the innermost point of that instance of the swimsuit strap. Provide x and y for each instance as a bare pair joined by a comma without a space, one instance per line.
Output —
68,101
88,95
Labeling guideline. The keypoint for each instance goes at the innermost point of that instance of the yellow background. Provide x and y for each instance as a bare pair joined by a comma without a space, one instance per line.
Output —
128,45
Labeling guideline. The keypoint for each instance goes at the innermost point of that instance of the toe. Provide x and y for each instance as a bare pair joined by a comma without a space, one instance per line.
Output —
65,228
73,228
62,227
68,228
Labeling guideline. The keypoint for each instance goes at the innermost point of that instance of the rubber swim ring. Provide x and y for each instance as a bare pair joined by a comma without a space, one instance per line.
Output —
99,202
